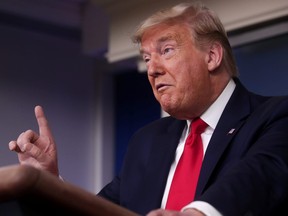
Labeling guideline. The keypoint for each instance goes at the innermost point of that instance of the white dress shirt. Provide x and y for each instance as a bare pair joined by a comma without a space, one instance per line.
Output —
211,116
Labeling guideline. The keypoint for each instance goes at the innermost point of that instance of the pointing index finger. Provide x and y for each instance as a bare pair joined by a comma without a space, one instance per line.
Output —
43,125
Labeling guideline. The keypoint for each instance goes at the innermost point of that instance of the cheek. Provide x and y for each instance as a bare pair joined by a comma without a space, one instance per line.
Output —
185,73
190,79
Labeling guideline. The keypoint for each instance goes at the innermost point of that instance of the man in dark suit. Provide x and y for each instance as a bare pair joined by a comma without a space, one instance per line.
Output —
193,74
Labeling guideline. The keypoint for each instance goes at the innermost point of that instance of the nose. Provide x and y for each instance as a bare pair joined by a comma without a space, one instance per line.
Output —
155,66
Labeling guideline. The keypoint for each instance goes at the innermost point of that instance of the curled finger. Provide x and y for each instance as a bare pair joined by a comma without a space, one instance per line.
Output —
13,146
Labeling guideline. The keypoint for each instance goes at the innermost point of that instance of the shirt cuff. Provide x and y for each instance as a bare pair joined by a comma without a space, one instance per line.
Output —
204,207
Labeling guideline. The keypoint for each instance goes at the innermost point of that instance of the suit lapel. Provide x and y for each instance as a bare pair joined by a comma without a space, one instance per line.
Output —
233,117
161,157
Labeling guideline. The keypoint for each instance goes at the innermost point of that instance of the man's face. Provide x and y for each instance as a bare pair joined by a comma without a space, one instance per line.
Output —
177,70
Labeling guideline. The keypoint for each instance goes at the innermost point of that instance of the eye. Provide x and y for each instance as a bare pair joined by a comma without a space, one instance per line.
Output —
168,51
146,58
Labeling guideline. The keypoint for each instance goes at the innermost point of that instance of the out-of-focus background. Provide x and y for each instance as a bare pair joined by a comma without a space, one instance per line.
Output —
75,58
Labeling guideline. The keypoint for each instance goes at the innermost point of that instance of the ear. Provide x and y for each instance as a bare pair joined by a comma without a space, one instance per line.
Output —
215,55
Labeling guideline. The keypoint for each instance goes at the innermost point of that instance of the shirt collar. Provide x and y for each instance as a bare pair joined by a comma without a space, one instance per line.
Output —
212,115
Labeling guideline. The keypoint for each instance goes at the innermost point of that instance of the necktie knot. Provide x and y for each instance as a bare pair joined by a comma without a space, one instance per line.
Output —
198,126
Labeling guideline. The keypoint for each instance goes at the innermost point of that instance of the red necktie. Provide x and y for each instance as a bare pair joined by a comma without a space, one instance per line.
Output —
185,178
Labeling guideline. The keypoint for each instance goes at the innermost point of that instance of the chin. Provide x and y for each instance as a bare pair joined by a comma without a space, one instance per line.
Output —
168,111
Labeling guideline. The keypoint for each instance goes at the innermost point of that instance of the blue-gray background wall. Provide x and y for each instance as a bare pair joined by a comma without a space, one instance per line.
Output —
263,65
37,68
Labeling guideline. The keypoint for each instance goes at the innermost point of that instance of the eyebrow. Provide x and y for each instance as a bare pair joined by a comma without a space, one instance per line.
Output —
166,38
161,40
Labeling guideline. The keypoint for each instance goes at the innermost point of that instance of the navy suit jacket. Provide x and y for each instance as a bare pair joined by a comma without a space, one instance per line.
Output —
244,172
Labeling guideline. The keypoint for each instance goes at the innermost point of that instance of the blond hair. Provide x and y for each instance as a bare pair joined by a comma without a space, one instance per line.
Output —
204,23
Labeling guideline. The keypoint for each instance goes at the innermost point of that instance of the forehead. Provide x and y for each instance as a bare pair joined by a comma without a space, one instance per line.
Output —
163,32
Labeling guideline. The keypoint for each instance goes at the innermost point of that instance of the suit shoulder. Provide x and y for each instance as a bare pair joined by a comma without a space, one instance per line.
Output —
161,124
159,128
276,106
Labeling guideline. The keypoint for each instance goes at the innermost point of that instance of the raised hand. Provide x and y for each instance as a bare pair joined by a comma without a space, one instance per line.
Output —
37,150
